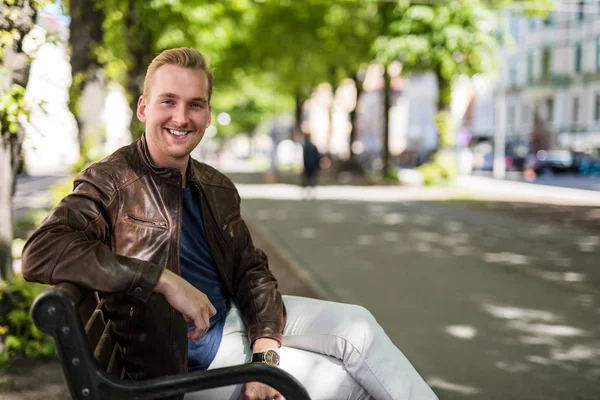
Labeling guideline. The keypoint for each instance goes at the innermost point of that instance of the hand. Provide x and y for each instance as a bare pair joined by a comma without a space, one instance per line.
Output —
189,301
258,391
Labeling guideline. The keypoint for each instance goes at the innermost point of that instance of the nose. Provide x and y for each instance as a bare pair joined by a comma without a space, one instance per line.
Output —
180,115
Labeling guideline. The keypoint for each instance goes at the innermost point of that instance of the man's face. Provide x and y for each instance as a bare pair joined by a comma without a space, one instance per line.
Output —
176,114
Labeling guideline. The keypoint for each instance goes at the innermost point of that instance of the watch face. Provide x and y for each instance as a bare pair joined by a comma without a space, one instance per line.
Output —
271,357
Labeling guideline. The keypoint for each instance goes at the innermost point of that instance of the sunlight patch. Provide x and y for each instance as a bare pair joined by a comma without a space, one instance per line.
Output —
333,218
454,226
519,313
547,330
452,387
507,258
576,353
539,360
461,331
512,366
394,219
308,233
574,277
587,244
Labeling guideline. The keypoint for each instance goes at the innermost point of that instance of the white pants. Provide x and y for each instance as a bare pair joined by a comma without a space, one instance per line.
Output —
337,351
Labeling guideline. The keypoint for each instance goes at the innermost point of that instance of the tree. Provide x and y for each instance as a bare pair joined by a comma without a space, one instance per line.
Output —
85,36
17,18
307,43
450,38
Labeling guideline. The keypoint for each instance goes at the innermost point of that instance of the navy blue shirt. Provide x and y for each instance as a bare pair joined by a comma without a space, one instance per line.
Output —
198,268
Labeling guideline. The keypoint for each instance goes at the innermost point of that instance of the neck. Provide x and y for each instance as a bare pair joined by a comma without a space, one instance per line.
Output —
160,161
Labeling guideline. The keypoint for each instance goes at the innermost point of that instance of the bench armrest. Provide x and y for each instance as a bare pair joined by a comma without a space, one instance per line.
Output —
56,312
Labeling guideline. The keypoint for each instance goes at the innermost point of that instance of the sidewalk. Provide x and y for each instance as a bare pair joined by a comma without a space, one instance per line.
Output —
506,190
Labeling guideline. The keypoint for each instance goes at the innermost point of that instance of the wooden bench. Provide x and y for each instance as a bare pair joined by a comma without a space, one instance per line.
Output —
91,359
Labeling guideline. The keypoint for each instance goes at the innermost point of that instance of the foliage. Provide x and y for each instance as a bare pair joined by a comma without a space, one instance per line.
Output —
13,108
448,38
20,336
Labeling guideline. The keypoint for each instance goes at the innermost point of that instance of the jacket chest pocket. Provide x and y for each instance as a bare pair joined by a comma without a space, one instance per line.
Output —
146,222
143,237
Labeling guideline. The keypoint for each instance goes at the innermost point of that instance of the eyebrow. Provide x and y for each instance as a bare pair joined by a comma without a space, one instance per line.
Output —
174,96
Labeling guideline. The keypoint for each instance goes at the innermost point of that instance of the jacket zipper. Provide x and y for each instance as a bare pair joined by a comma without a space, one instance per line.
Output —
131,311
154,224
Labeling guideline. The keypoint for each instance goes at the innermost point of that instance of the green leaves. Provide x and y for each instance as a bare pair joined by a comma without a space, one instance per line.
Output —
21,337
12,108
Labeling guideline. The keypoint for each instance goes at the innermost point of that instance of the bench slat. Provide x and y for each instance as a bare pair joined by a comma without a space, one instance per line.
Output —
94,328
115,365
105,348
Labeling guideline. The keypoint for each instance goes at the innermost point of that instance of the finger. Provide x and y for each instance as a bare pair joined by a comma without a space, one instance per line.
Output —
212,310
197,333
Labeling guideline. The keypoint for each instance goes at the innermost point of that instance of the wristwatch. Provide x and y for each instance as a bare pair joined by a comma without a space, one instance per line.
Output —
270,357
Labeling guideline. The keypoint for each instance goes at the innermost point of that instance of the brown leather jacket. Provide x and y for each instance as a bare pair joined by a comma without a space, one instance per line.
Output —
120,227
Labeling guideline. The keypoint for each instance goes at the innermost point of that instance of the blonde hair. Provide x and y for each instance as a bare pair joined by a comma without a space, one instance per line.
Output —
182,57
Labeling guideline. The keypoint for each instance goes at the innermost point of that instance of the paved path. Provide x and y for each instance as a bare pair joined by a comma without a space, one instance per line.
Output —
486,306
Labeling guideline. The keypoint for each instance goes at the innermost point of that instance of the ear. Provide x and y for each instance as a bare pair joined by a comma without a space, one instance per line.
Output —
141,109
209,116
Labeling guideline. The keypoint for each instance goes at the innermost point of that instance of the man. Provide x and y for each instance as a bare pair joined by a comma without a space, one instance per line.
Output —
310,174
161,236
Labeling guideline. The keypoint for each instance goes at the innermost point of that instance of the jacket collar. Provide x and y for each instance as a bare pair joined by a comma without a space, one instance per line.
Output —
171,175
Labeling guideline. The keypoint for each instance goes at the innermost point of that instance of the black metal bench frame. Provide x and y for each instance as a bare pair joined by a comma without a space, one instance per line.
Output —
58,312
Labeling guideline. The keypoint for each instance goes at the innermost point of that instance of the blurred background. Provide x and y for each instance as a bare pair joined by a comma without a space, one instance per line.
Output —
458,196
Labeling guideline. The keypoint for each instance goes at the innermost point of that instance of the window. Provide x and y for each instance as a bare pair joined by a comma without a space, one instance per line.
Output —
530,64
511,117
575,112
531,23
514,27
546,62
597,107
578,54
513,70
580,10
598,53
525,114
550,109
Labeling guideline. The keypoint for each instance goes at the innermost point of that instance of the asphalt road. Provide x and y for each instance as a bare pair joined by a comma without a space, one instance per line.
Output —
485,305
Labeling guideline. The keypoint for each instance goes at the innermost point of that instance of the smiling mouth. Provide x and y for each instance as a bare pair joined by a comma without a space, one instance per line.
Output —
177,132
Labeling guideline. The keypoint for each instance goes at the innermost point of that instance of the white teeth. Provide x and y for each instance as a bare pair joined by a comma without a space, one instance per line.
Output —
177,133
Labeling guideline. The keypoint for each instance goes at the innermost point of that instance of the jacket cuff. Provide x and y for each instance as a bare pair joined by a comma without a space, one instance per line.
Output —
146,278
271,331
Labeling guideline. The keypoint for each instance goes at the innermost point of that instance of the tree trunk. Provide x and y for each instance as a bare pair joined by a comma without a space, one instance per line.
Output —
21,18
85,34
142,52
443,118
6,232
354,115
297,130
387,96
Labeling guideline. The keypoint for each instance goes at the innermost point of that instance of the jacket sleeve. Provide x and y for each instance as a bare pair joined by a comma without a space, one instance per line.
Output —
256,288
73,243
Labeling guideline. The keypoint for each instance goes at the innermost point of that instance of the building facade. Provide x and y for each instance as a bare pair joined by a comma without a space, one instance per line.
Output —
551,79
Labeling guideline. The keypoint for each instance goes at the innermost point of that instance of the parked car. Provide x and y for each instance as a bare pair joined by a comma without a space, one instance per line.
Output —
553,161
